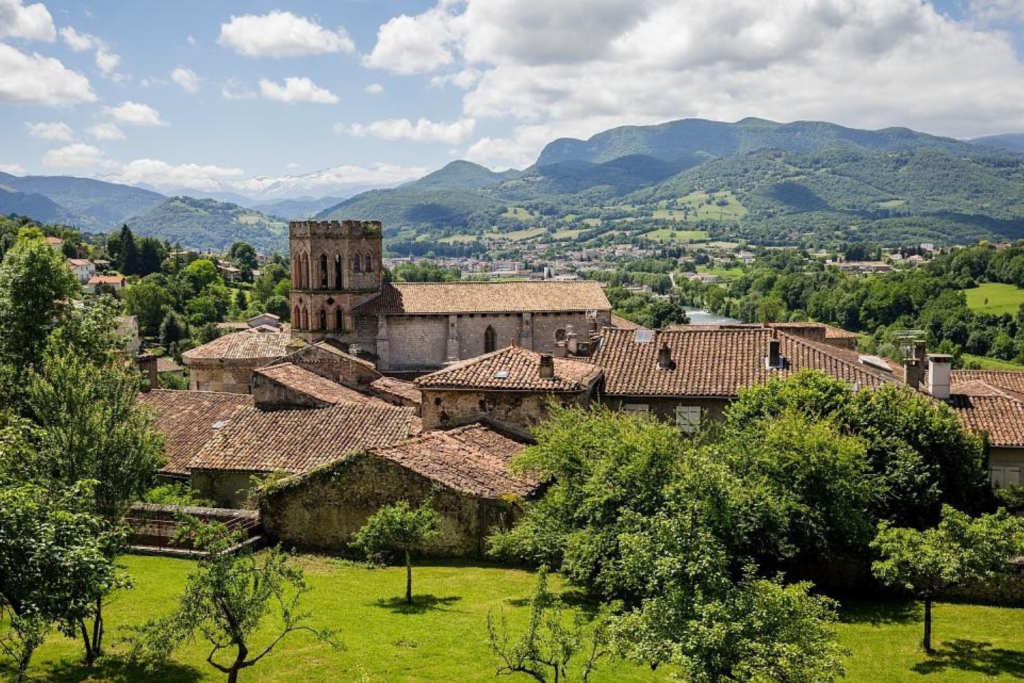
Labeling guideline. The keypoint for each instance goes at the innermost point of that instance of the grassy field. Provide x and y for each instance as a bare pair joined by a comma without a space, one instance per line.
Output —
993,363
995,298
694,206
517,235
443,636
517,212
458,239
670,235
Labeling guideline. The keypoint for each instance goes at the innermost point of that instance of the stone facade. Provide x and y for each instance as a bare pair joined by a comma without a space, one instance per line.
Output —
226,488
336,265
233,380
517,411
323,509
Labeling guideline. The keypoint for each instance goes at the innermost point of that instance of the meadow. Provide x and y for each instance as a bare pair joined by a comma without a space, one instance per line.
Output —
995,298
442,637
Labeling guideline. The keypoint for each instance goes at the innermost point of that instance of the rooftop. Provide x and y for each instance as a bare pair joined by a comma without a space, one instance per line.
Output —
296,441
399,388
260,345
512,369
721,362
441,298
623,324
313,385
187,420
985,408
472,460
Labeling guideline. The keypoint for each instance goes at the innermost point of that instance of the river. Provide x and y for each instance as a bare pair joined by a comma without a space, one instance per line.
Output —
699,317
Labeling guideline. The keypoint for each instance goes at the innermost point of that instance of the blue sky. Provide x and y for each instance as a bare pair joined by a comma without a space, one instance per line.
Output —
317,97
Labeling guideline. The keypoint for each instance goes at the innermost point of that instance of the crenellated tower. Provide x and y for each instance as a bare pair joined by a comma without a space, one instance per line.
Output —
336,266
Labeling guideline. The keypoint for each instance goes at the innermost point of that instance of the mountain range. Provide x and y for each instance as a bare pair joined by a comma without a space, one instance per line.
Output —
786,182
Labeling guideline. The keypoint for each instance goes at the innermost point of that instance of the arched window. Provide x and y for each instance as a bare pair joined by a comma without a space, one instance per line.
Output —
369,263
339,320
560,334
305,318
355,263
304,275
323,319
323,271
297,317
337,271
490,340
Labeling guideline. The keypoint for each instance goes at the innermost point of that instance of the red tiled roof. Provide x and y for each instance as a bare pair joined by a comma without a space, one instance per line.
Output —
472,460
164,364
313,385
106,280
622,323
442,298
985,408
719,362
257,345
399,388
296,441
187,419
1011,381
522,367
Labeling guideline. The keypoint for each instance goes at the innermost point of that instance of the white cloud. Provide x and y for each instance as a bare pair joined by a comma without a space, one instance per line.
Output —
464,79
162,174
32,22
191,41
78,155
296,89
78,42
35,79
13,169
56,130
996,10
420,44
105,131
291,165
374,89
281,34
186,78
233,89
134,114
423,130
106,60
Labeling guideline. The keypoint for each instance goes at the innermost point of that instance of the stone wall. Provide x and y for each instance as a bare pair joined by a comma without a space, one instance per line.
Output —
226,489
417,341
665,408
234,380
518,411
322,510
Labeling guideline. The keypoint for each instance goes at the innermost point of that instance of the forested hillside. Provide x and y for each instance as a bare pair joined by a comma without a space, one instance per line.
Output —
206,224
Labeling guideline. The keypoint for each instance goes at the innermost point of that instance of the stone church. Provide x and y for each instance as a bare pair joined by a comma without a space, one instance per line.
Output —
338,292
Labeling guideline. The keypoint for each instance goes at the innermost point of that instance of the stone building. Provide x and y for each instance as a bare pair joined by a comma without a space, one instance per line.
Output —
227,363
510,387
338,293
463,471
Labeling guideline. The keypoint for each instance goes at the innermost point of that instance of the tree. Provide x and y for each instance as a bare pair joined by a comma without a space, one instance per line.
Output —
149,302
52,565
243,254
548,647
279,306
960,550
226,602
35,288
398,528
200,274
127,254
173,329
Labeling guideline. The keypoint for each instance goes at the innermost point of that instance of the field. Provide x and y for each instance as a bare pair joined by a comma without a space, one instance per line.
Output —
695,206
459,239
518,212
442,637
993,363
995,298
670,235
517,235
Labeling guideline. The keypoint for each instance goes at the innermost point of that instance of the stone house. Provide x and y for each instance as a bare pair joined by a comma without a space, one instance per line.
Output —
464,472
327,360
227,363
286,385
992,403
510,387
115,281
83,269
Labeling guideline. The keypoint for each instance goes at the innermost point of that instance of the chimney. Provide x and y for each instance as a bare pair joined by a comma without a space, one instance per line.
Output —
665,358
147,366
774,359
560,350
912,373
571,341
919,354
547,366
939,367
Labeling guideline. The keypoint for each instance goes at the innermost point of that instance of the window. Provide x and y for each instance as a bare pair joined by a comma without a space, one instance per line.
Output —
337,272
339,323
688,418
355,263
323,319
305,318
1001,477
369,263
297,317
490,340
636,408
560,335
323,271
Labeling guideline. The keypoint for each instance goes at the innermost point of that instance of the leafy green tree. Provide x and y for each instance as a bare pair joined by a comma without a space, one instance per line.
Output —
152,253
52,566
279,306
241,300
173,329
398,528
227,601
243,254
960,550
270,276
35,289
200,274
549,649
149,302
125,251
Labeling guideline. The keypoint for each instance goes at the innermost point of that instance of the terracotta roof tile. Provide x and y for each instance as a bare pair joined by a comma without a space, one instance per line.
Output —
247,345
164,364
296,441
997,412
522,367
1011,381
440,298
719,362
187,419
472,460
313,385
623,324
398,388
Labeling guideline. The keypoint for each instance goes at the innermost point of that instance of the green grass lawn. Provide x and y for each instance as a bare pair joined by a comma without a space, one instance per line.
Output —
443,636
670,235
995,298
994,363
517,235
459,239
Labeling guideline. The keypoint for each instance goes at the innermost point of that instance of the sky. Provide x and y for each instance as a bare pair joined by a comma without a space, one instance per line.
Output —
308,97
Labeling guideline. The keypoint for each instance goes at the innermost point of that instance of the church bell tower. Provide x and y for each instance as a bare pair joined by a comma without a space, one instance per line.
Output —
336,266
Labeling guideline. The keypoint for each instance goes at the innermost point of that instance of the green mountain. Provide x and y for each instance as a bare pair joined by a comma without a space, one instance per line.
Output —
36,206
295,209
687,137
1011,142
92,205
460,174
206,224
